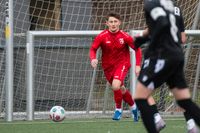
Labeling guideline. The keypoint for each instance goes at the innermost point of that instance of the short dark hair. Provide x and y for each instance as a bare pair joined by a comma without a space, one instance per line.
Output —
113,14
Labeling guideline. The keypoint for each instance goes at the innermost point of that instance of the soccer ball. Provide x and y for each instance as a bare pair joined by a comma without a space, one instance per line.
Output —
57,113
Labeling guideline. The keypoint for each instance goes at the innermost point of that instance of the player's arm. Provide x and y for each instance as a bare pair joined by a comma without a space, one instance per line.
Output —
130,42
142,38
138,51
183,37
93,50
182,29
138,54
136,41
138,57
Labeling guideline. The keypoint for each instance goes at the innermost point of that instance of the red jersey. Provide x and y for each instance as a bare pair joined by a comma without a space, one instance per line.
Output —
115,48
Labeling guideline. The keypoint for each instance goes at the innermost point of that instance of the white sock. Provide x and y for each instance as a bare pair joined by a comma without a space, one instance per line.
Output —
118,109
133,107
157,117
190,124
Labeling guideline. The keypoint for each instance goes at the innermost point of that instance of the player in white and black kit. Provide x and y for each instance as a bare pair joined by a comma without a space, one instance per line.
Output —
163,62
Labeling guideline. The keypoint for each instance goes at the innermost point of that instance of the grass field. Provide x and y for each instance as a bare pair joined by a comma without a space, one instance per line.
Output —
125,125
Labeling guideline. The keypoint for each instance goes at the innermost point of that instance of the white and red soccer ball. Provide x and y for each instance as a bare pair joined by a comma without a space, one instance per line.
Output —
57,113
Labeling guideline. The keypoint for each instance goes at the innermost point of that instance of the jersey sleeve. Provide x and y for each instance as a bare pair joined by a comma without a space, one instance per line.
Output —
138,56
95,45
130,42
179,19
182,26
138,51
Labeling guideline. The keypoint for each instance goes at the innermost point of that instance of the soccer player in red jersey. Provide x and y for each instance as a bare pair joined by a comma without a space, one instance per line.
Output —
115,45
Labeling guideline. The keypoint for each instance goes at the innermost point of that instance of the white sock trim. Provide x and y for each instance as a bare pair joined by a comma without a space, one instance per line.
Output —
190,124
157,117
133,107
118,109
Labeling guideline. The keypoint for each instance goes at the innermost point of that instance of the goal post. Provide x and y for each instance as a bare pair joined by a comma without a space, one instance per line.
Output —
9,59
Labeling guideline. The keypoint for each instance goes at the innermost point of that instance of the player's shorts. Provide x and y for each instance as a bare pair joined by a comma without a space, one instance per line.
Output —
156,71
118,72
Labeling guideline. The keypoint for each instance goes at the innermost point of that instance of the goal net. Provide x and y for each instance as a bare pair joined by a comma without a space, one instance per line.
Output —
62,72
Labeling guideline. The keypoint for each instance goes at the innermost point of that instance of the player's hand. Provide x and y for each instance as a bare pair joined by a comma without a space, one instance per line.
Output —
145,32
94,63
137,70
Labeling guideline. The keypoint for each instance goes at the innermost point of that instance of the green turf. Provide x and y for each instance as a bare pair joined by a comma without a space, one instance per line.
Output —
125,125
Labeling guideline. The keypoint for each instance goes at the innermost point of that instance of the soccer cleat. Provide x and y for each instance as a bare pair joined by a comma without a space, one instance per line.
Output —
160,125
117,115
193,130
135,115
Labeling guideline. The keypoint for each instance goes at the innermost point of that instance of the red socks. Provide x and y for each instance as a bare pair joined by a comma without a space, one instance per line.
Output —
128,98
118,98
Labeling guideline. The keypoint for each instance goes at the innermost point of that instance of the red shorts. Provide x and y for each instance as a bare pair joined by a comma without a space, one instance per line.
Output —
119,72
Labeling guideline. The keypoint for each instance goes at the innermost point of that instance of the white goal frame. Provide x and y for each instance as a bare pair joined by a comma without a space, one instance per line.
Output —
31,35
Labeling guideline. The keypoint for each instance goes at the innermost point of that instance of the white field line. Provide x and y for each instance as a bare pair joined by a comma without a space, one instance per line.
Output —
69,121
